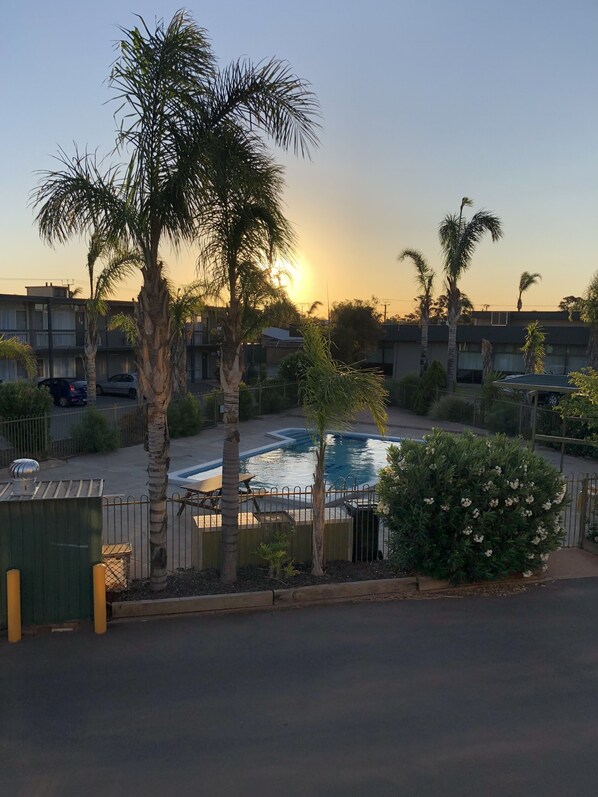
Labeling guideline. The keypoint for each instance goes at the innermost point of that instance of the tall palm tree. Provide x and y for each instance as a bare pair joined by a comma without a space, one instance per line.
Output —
533,349
332,394
22,353
458,239
185,304
589,314
526,280
119,265
244,232
424,276
173,98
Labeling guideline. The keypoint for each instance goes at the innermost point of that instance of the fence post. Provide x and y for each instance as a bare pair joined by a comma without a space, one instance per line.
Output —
583,506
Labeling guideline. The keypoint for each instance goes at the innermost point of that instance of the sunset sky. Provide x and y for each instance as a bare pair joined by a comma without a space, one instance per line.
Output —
423,102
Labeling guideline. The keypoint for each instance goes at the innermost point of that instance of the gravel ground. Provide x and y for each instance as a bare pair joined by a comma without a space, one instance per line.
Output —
254,579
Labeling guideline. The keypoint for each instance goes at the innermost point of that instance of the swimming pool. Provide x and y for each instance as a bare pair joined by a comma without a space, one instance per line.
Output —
350,458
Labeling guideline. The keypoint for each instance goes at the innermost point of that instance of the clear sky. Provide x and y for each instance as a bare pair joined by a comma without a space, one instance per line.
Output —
423,102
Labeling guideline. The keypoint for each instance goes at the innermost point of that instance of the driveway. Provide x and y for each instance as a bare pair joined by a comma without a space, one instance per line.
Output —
453,697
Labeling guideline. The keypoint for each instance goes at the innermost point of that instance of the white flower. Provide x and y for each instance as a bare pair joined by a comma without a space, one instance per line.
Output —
546,505
467,531
544,557
515,499
498,469
382,508
478,537
445,507
527,573
561,494
433,466
529,499
428,501
531,556
514,484
476,513
466,502
488,552
494,502
487,486
509,502
536,541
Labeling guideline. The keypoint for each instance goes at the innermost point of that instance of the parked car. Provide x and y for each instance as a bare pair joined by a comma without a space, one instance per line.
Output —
118,385
66,392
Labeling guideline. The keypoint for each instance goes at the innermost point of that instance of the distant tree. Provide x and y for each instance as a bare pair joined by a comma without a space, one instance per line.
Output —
589,314
354,330
571,304
533,349
439,309
459,238
185,304
487,360
332,394
424,276
526,280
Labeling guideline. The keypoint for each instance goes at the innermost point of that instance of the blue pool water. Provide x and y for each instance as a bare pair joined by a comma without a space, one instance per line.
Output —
351,458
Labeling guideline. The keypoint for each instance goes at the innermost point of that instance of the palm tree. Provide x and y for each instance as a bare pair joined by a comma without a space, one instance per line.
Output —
120,264
332,394
459,238
589,314
424,276
526,280
185,304
173,98
533,348
22,353
244,231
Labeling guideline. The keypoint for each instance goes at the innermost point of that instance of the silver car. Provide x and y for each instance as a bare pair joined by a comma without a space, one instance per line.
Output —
118,385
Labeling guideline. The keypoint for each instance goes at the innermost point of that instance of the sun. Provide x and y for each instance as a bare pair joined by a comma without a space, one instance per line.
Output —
287,275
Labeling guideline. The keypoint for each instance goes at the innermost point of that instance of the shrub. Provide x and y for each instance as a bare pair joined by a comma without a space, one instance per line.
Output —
247,409
277,395
452,408
211,405
402,392
433,380
504,418
465,508
275,553
184,417
27,408
94,435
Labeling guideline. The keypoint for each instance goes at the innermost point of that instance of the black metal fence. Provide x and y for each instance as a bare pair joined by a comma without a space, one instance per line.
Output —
353,530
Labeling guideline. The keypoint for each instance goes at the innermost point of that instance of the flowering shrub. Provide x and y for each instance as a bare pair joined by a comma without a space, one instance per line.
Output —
467,508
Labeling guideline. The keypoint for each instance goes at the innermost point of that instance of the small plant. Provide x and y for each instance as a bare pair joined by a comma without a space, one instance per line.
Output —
184,417
466,508
276,555
432,380
94,435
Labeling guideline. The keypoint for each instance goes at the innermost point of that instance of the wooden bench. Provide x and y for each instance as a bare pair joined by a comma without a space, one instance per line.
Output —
207,494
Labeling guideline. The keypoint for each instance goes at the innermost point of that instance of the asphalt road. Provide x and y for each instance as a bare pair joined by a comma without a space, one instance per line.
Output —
456,696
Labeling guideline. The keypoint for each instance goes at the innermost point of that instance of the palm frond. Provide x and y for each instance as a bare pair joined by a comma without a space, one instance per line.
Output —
126,324
14,349
526,280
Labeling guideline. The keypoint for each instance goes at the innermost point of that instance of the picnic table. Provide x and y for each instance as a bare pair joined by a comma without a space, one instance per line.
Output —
207,494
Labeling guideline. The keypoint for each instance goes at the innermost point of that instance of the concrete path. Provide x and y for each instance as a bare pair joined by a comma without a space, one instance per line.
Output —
441,697
125,471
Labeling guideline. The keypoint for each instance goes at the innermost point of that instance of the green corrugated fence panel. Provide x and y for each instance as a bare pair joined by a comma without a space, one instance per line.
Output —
54,544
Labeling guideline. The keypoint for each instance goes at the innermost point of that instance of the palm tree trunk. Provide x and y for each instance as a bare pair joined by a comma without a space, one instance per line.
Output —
91,348
179,364
155,375
318,506
423,357
451,355
230,380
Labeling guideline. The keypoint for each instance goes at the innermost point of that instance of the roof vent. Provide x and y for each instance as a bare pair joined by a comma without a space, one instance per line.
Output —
23,476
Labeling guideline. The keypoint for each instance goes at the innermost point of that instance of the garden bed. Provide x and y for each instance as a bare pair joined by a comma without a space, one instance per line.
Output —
188,583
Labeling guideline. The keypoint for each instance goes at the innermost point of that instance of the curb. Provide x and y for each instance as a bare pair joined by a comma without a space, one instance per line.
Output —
298,596
326,593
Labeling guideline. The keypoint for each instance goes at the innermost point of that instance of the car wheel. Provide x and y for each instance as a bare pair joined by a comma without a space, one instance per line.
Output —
63,401
99,391
132,393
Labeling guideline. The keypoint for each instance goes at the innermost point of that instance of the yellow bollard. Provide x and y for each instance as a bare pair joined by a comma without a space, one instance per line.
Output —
99,598
13,601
